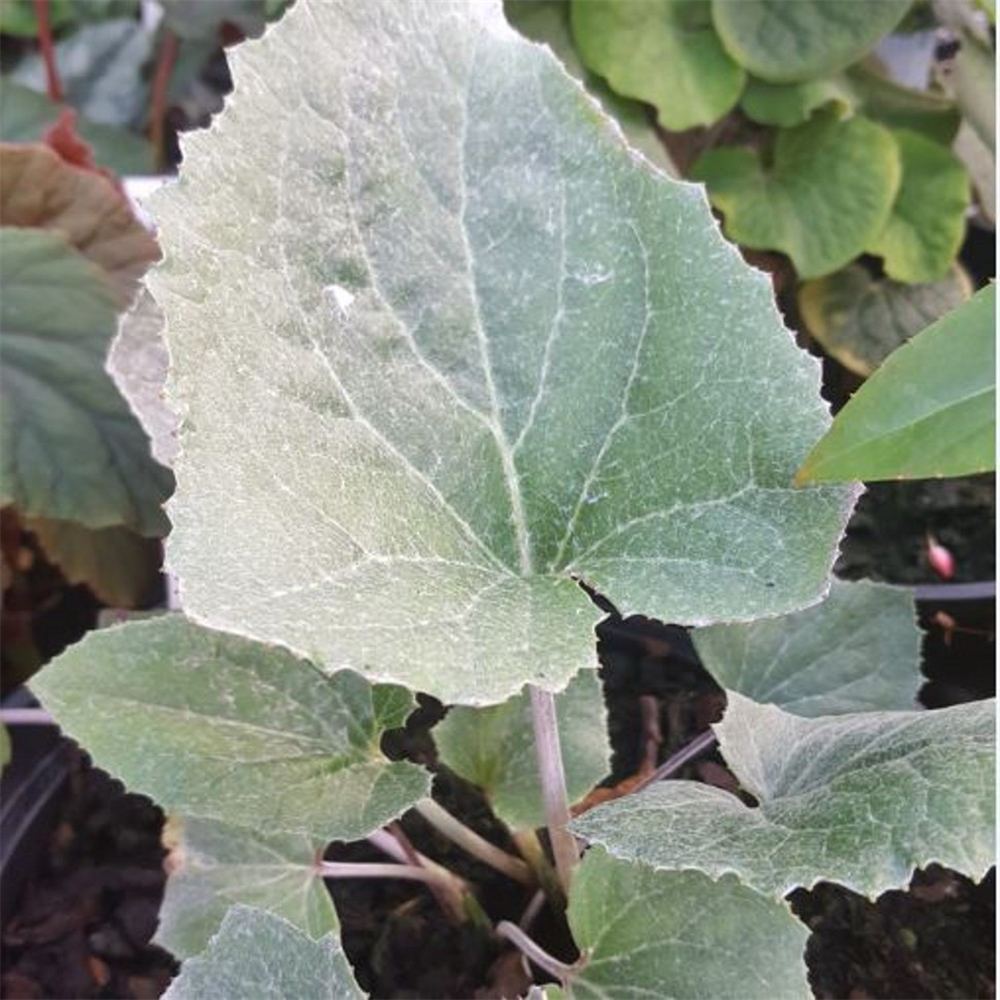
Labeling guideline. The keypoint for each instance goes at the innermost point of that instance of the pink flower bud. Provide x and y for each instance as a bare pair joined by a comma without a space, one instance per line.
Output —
940,558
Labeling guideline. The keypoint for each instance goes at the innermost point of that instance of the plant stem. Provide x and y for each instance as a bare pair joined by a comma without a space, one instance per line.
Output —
470,841
364,869
690,751
158,99
555,801
52,83
534,951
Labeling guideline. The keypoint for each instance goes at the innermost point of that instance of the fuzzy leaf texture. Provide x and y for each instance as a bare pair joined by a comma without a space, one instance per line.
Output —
928,411
647,934
857,651
443,343
861,799
230,729
257,954
214,865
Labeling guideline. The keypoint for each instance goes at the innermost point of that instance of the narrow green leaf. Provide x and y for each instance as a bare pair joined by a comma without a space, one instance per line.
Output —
861,320
466,347
214,865
494,748
664,52
226,728
826,196
859,799
649,934
925,229
928,411
975,85
257,955
792,40
859,650
71,448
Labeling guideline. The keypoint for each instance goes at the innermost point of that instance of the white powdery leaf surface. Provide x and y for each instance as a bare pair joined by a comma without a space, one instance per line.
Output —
442,343
856,651
257,954
859,799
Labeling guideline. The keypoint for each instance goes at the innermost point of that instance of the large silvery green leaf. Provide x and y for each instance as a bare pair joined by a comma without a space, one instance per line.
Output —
861,320
257,954
213,725
465,347
214,865
789,40
857,651
664,52
859,799
925,229
71,448
825,196
651,934
494,748
928,411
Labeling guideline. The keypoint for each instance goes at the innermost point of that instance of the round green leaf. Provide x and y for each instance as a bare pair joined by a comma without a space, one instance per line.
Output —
792,40
826,196
924,231
664,52
258,954
861,799
443,343
789,104
645,933
230,729
857,651
928,411
861,320
70,448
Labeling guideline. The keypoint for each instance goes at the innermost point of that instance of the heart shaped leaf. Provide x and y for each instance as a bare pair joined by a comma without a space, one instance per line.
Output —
859,799
647,934
464,348
214,865
790,40
664,52
230,729
258,954
857,651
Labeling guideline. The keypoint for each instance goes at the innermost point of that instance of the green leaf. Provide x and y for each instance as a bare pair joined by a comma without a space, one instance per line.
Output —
5,747
793,40
664,52
927,412
548,21
226,728
860,799
975,85
494,748
925,229
466,347
861,320
25,114
679,934
826,196
857,651
215,865
71,448
789,104
257,955
100,69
